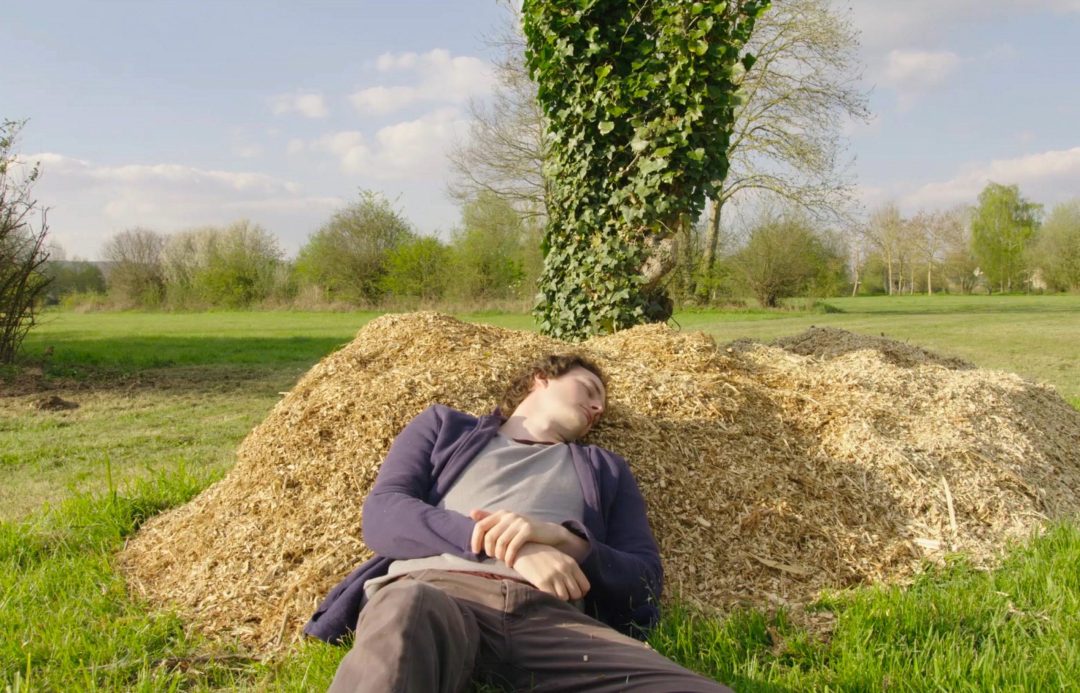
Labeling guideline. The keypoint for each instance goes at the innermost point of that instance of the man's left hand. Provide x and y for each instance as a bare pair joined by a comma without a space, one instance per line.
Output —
502,533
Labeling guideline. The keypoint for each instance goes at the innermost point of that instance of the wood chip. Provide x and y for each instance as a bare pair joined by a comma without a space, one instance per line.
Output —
835,455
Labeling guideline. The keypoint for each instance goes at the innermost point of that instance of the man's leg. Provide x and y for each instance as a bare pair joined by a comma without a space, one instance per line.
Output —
410,637
554,647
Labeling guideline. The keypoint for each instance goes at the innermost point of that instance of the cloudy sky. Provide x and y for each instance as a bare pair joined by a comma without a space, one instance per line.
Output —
172,114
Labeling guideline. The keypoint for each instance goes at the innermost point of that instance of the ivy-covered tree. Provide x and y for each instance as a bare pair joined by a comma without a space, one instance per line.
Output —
639,102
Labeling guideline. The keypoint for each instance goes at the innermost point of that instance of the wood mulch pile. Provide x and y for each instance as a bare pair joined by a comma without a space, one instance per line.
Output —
769,474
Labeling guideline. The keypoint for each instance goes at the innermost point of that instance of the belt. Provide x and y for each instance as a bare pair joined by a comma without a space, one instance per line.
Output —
493,576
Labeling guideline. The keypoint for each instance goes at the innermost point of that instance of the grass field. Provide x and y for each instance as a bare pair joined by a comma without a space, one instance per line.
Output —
165,399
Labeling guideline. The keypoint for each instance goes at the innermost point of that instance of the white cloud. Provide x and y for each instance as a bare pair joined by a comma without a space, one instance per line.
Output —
89,202
912,72
413,149
380,100
307,104
247,151
887,25
432,77
1048,177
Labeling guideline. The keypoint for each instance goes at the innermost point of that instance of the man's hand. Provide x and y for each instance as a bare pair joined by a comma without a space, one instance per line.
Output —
502,534
552,571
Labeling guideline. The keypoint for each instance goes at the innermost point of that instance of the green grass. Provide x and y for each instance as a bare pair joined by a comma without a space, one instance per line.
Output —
165,399
954,629
66,622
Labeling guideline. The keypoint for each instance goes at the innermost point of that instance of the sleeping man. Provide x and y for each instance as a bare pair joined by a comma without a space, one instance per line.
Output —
506,553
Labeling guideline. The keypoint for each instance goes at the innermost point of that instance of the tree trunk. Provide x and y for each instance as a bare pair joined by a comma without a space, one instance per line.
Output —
660,261
712,236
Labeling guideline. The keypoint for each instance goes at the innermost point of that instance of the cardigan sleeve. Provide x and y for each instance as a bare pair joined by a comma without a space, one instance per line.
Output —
624,570
398,520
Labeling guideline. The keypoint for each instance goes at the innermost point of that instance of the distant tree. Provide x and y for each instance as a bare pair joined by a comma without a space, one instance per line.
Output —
72,276
784,257
418,268
231,266
347,257
1056,252
135,275
507,144
797,95
957,262
23,249
891,236
488,257
1002,226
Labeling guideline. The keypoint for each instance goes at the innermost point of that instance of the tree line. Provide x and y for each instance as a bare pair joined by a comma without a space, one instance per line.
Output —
583,183
366,255
1000,244
369,255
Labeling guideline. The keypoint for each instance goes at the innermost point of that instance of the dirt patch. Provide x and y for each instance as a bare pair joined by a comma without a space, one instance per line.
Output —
829,342
769,475
53,403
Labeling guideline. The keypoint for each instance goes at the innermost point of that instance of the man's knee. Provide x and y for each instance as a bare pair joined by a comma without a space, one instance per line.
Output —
406,604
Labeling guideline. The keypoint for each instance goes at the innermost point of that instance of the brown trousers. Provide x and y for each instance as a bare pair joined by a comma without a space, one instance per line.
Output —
438,630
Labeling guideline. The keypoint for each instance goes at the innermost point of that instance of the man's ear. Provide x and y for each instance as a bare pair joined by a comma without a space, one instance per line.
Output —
539,381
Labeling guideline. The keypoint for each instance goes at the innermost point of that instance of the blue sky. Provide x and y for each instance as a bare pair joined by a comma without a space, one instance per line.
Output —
170,115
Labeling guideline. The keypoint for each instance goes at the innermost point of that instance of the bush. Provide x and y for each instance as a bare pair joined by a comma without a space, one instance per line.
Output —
23,253
418,268
347,257
85,301
1056,251
488,251
135,277
72,277
233,267
785,257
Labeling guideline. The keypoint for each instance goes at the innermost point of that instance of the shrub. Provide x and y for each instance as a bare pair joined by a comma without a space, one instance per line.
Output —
348,256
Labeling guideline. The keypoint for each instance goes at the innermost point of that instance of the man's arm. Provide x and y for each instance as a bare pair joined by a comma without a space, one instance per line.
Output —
625,569
398,521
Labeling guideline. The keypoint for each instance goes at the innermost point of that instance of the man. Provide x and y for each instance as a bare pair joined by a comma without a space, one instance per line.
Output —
506,552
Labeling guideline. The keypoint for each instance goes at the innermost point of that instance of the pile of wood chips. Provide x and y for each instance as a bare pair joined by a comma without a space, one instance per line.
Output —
769,475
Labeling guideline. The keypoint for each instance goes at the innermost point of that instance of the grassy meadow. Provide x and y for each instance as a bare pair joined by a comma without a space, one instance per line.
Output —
164,399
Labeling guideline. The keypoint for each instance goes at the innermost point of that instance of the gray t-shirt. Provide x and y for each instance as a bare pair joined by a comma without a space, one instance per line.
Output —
533,479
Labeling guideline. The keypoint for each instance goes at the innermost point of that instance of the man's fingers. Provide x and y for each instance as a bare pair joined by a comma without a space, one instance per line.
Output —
477,543
492,536
513,547
581,580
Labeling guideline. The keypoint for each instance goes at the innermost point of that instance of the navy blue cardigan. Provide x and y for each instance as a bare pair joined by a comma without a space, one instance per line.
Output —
401,520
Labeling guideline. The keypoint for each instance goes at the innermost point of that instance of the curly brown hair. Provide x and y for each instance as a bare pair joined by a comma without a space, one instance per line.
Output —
550,366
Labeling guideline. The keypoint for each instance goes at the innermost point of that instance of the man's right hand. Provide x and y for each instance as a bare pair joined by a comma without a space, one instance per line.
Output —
552,571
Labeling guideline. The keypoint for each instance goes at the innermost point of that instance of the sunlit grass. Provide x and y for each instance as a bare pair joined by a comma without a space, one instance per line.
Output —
166,398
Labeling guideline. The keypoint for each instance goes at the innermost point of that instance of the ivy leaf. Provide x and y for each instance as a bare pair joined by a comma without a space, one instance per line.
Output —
606,126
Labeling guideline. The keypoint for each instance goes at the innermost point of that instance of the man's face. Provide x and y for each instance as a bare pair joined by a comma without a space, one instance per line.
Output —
573,402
